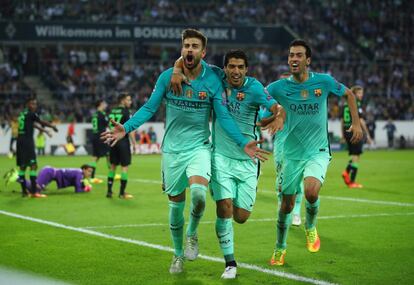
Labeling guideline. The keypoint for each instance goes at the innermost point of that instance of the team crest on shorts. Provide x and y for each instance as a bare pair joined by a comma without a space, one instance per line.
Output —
317,92
240,96
304,94
189,93
202,95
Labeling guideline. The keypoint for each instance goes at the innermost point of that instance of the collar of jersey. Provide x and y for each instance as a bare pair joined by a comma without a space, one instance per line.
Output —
290,78
246,80
201,75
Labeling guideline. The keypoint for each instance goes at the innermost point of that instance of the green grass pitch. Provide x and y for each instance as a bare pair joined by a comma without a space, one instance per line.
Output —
367,235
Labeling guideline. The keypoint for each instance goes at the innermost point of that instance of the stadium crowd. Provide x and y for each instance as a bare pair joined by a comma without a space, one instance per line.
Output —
78,75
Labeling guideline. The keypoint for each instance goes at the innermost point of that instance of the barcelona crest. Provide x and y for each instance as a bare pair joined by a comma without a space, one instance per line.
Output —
202,95
240,96
304,94
317,92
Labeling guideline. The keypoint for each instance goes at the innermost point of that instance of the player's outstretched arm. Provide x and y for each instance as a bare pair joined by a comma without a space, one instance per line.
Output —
36,126
50,125
356,124
111,137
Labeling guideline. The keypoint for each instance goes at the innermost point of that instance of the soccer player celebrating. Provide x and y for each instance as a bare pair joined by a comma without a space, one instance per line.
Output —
186,159
64,177
99,125
278,142
354,149
306,152
25,147
120,153
234,174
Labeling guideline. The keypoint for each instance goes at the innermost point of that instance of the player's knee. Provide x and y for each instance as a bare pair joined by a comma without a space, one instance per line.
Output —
287,205
311,196
225,208
240,215
198,196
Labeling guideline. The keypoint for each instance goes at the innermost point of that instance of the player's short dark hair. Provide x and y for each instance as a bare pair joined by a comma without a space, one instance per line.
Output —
356,88
235,53
303,43
30,99
193,33
99,102
86,166
122,96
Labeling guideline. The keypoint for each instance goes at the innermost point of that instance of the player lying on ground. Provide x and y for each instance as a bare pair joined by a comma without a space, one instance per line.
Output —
64,177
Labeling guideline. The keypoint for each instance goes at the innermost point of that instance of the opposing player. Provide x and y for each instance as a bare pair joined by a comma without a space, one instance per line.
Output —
25,147
64,177
354,149
100,149
186,159
306,152
120,153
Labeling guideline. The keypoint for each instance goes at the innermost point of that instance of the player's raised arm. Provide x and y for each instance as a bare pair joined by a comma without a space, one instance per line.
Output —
356,124
142,115
231,128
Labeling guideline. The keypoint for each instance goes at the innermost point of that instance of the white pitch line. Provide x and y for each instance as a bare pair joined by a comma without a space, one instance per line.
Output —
254,220
165,248
358,200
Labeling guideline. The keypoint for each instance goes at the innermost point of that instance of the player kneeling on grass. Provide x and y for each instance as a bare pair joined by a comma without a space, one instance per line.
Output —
64,177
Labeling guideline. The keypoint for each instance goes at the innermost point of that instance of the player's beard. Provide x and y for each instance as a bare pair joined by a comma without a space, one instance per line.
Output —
191,61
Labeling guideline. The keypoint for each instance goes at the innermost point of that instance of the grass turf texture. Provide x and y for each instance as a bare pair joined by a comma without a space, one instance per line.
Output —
354,250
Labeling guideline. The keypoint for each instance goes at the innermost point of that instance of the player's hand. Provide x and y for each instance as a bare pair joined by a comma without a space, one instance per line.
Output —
369,140
175,83
254,151
111,137
272,124
357,133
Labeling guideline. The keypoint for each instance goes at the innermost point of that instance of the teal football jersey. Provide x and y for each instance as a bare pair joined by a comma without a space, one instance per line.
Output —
306,104
243,104
188,114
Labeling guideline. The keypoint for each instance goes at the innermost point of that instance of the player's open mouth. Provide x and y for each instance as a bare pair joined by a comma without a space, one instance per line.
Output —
189,60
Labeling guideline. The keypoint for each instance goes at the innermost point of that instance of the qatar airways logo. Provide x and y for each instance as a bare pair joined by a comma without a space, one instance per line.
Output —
305,109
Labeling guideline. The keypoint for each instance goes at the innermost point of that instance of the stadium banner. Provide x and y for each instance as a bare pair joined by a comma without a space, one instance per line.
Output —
64,31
